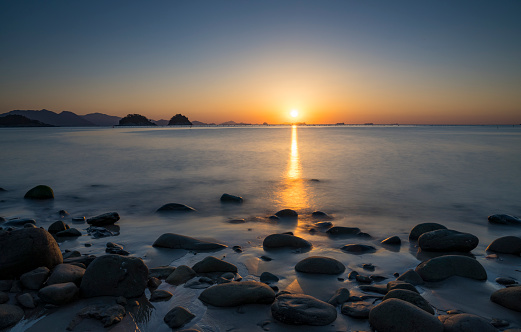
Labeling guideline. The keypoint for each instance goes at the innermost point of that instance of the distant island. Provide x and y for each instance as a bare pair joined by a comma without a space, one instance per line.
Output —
15,120
135,120
179,120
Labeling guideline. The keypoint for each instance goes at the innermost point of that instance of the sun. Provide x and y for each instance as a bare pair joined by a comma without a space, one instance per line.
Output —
293,113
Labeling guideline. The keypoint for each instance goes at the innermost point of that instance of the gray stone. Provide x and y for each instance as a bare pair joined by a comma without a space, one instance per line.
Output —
40,192
411,297
176,241
114,275
393,240
108,218
212,264
509,297
400,316
447,240
320,265
57,226
443,267
419,229
161,272
175,208
66,273
285,240
397,284
358,249
160,295
465,323
506,245
267,277
26,300
341,296
59,294
181,275
300,309
227,198
178,317
339,230
287,213
238,293
357,309
26,249
411,277
107,314
10,315
504,219
34,279
71,232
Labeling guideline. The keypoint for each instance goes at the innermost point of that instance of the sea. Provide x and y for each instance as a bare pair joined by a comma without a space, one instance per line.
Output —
382,179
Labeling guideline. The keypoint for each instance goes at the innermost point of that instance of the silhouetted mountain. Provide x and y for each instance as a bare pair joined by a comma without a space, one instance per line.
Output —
233,123
160,122
199,123
135,120
64,119
179,120
15,120
100,119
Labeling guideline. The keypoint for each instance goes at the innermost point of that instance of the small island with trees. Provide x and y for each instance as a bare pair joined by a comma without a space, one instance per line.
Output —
135,120
179,120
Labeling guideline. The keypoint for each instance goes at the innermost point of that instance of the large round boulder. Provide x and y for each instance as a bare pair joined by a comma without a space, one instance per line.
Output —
465,323
26,249
176,241
40,192
212,264
400,316
300,309
320,265
238,293
447,240
285,240
114,275
419,229
10,315
509,297
443,267
506,245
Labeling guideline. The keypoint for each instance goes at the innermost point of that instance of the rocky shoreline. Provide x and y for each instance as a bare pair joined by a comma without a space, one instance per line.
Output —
37,278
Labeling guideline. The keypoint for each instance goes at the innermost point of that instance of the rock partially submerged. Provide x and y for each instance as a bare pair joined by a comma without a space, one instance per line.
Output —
227,198
419,229
40,192
447,240
441,268
238,293
285,240
506,245
18,222
107,314
177,317
176,241
509,297
108,218
180,275
57,226
300,309
175,207
287,214
504,219
393,240
465,323
211,264
320,265
340,230
358,249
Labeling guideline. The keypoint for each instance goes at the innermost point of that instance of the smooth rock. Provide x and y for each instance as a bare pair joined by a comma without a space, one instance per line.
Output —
175,207
153,283
71,232
506,245
107,314
509,297
300,309
57,226
400,316
26,249
419,229
393,240
176,241
59,294
363,279
504,219
465,323
339,230
358,249
66,273
161,272
26,300
411,277
238,293
227,198
267,277
10,315
505,281
114,275
160,295
19,222
357,309
443,267
34,279
98,232
447,240
287,213
212,264
320,265
40,192
379,289
341,296
396,284
411,297
320,215
108,218
285,240
178,317
181,275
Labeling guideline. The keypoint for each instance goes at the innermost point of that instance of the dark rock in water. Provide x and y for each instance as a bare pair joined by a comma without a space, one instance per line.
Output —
363,279
393,240
441,268
273,218
447,240
10,315
199,283
34,279
341,296
358,249
368,267
509,297
107,314
177,317
320,265
339,230
357,309
71,232
377,278
227,198
104,219
505,281
411,297
392,285
160,295
63,273
59,294
411,277
285,240
465,323
419,229
352,275
114,275
116,249
181,275
153,282
212,264
323,224
379,289
287,214
26,249
321,215
267,277
266,258
506,245
300,309
237,221
63,213
176,241
238,293
398,315
71,254
98,232
57,226
504,219
40,192
161,272
19,222
175,207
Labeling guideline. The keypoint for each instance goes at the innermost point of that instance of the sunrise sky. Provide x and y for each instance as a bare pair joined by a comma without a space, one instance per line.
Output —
418,62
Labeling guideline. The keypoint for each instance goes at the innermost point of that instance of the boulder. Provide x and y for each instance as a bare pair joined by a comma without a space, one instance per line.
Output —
66,273
320,215
504,219
40,192
57,226
400,316
108,218
447,240
509,297
160,295
339,230
161,272
393,240
227,198
320,265
176,241
114,275
505,281
26,249
300,309
267,278
411,297
392,285
358,249
411,277
506,245
26,300
180,275
443,267
59,294
357,309
34,279
285,240
10,315
175,207
419,229
465,323
238,293
340,297
212,264
178,317
287,213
